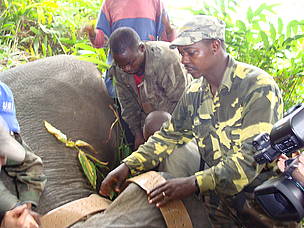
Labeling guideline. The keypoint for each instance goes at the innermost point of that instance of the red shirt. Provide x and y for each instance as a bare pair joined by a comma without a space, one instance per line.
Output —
138,80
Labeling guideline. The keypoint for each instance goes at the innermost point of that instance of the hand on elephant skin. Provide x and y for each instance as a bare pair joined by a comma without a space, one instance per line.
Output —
20,217
114,180
173,189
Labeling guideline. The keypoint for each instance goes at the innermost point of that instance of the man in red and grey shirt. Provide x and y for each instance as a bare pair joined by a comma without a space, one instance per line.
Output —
147,17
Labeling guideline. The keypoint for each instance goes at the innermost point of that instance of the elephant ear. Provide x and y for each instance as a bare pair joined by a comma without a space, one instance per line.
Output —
88,168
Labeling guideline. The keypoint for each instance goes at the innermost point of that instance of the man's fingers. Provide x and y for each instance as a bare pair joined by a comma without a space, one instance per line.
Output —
120,186
301,158
159,195
157,190
36,217
107,186
156,199
30,221
104,190
17,211
114,180
163,202
22,218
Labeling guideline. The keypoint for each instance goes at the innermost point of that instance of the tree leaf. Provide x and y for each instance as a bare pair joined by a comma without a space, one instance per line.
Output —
96,161
256,25
280,25
88,168
249,14
70,143
36,46
57,133
81,143
259,10
264,38
93,60
241,25
290,27
34,30
85,47
273,32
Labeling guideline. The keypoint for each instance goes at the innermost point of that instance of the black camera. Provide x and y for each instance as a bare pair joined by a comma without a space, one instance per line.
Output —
282,197
286,136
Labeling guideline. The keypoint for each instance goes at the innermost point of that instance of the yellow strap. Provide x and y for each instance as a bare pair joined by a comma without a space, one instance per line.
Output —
74,211
174,212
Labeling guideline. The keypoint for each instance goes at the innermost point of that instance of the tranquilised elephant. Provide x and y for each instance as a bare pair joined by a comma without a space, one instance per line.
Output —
70,95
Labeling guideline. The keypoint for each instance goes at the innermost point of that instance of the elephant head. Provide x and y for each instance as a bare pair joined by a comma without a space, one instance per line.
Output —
69,94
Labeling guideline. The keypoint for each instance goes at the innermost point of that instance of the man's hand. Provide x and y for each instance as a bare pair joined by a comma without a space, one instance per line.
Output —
89,29
283,158
20,217
172,189
170,32
114,180
139,139
281,162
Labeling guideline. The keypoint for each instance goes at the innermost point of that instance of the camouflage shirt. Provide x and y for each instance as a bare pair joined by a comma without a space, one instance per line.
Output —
164,81
248,102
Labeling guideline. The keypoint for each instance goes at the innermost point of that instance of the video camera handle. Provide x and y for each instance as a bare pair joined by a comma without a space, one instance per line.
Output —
286,136
266,157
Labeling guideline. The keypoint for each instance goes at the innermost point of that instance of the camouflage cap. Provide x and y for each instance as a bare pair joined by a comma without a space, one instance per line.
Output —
198,28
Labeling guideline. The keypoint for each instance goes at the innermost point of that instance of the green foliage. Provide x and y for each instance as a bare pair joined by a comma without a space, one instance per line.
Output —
124,149
88,167
276,48
33,29
88,53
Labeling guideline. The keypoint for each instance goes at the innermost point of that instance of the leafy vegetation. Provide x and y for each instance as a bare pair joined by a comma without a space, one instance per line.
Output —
33,29
276,48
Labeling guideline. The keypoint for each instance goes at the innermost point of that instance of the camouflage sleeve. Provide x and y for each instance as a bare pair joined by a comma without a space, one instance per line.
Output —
131,110
174,82
30,179
162,143
261,109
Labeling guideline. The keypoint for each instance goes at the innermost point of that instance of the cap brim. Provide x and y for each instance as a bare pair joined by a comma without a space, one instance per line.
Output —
181,41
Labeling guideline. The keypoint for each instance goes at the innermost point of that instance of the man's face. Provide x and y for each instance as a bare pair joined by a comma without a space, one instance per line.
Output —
197,58
131,61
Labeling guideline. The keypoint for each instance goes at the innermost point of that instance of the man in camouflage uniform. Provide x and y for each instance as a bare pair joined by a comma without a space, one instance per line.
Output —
28,173
224,109
148,76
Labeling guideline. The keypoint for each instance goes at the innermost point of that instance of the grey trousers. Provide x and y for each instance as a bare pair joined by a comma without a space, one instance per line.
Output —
131,207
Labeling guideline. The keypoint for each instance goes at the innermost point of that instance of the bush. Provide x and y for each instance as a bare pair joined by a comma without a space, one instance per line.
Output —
33,29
